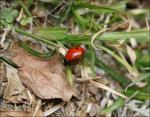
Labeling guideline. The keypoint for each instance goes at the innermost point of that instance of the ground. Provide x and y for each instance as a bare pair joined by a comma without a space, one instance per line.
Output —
110,79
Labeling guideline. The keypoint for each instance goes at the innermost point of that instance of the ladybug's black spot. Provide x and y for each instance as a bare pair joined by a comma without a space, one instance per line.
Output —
66,62
77,48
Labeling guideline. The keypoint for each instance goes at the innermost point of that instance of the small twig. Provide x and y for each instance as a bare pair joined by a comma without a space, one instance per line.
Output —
107,89
147,24
31,98
57,6
37,108
20,15
53,109
107,20
86,79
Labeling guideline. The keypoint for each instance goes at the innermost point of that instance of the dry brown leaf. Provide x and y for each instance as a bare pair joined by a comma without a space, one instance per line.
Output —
7,113
46,78
15,91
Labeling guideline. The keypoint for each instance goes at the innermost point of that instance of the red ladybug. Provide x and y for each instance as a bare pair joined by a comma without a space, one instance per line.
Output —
75,54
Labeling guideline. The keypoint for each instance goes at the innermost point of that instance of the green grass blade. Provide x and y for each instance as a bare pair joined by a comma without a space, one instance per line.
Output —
52,33
47,41
92,59
139,96
82,21
115,75
67,11
141,77
117,104
103,9
143,61
8,61
113,36
119,59
24,7
36,53
120,5
69,75
76,39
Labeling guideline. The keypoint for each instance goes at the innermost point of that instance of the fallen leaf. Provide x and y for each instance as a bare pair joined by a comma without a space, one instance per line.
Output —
8,113
46,78
15,91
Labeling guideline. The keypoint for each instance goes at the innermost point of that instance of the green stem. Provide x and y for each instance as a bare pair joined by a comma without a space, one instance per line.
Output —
69,75
117,104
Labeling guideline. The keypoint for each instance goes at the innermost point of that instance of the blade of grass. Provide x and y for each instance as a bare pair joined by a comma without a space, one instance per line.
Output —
69,75
113,36
67,11
52,33
120,5
117,104
103,9
97,84
115,75
86,22
8,61
131,69
92,60
141,77
139,96
36,53
76,39
26,9
38,38
143,61
82,21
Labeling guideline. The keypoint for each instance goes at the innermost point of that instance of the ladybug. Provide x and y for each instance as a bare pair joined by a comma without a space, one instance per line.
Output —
75,55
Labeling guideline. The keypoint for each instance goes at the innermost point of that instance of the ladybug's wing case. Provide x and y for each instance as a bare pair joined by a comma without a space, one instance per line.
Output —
69,54
74,54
